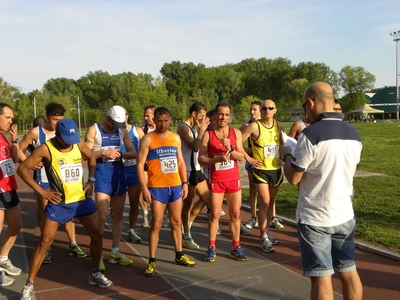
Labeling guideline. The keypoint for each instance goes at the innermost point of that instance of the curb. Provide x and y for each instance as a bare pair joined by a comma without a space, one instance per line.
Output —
359,245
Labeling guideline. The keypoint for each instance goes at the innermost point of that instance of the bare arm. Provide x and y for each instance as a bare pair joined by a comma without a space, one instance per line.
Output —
31,136
130,149
182,168
40,153
295,129
141,160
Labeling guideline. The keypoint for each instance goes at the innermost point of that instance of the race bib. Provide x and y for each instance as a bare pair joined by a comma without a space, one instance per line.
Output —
226,165
7,167
129,162
71,173
169,165
270,151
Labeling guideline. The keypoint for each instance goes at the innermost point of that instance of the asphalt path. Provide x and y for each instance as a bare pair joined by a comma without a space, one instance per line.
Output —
264,276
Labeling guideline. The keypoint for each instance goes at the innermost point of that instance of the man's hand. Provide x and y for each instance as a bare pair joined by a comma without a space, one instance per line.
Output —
51,196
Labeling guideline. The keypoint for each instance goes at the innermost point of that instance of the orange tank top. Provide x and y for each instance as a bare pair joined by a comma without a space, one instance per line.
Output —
162,161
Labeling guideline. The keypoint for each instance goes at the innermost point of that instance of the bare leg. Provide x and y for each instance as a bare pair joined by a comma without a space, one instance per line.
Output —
351,285
14,224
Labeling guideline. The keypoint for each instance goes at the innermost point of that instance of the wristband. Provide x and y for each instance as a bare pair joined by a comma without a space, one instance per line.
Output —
286,155
185,182
92,179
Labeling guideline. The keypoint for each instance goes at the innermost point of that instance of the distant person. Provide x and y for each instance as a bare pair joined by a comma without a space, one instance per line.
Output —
36,122
66,198
38,136
135,134
10,208
221,149
324,164
191,140
167,185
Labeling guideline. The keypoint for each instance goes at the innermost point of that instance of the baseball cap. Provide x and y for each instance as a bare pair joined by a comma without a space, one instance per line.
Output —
68,131
117,115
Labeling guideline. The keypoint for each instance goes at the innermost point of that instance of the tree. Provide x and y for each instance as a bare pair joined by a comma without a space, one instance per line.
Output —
355,81
7,92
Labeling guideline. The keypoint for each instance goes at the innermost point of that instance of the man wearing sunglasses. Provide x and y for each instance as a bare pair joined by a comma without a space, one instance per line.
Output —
265,138
323,165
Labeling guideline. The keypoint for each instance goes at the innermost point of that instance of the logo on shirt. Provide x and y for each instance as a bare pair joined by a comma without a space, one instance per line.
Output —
61,161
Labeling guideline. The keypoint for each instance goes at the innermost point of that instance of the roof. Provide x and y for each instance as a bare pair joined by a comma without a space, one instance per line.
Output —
365,108
385,99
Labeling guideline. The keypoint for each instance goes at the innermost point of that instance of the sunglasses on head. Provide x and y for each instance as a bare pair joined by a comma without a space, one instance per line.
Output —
269,108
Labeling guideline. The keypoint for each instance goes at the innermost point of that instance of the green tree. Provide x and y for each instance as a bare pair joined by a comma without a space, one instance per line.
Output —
355,81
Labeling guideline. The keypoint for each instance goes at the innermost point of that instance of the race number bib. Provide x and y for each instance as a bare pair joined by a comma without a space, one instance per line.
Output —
226,165
129,162
71,173
169,165
270,151
7,167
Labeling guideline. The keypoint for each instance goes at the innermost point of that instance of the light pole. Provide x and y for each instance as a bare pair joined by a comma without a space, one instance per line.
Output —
396,38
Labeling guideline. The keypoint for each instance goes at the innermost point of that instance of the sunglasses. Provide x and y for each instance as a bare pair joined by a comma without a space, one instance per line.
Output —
304,104
269,108
337,109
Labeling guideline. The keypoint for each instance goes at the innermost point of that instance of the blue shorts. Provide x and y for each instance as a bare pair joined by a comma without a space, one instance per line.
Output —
132,178
63,213
248,167
325,249
166,195
116,188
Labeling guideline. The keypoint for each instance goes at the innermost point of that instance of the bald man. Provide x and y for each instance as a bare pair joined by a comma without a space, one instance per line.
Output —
323,165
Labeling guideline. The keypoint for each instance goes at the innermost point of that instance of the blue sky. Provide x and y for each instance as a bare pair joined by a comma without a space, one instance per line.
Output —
41,39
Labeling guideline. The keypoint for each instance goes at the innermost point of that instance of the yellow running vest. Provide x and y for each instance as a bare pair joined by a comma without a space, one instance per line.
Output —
65,173
266,146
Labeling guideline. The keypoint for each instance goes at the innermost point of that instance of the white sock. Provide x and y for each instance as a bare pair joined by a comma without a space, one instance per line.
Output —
145,213
187,236
114,250
3,258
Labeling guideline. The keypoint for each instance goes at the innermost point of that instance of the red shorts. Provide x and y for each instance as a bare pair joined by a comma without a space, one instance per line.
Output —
225,187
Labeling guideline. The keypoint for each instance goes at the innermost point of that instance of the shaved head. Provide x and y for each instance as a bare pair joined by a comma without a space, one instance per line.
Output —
320,91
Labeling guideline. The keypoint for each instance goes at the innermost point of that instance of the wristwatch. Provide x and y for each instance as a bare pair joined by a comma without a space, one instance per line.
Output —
92,179
232,149
185,182
15,141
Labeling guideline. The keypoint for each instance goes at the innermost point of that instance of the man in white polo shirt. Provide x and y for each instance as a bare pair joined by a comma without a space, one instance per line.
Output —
323,164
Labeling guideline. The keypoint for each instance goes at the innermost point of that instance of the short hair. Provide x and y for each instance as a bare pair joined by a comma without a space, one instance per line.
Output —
161,111
222,104
2,105
152,107
197,107
55,109
256,103
39,121
210,113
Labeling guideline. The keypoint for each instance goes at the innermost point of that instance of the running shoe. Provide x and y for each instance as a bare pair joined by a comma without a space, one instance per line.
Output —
252,223
222,214
77,251
185,261
271,239
244,230
190,244
146,220
102,266
266,246
27,292
9,268
150,270
276,223
119,258
238,254
210,254
98,278
134,237
5,280
47,257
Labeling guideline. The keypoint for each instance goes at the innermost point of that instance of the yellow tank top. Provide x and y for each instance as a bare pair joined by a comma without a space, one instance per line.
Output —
266,147
65,173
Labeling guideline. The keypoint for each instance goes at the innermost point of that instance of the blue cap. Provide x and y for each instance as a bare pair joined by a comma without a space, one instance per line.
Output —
68,131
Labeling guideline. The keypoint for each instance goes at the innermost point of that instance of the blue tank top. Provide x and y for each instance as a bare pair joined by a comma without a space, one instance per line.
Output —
130,164
108,170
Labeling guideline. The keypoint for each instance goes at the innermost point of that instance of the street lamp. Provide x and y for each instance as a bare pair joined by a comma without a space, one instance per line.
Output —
396,38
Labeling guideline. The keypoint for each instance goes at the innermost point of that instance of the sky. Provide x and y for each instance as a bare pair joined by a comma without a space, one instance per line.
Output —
40,39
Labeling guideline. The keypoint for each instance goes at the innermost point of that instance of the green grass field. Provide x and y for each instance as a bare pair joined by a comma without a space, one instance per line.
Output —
377,198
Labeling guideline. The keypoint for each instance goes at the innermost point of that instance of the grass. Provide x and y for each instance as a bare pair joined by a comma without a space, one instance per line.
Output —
377,198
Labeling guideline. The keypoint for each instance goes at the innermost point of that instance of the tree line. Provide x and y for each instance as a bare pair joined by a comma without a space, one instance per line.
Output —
180,84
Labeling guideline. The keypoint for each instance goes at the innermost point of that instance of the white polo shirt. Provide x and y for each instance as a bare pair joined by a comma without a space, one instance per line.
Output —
328,152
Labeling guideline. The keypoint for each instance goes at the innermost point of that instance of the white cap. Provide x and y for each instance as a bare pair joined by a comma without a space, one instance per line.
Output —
117,115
